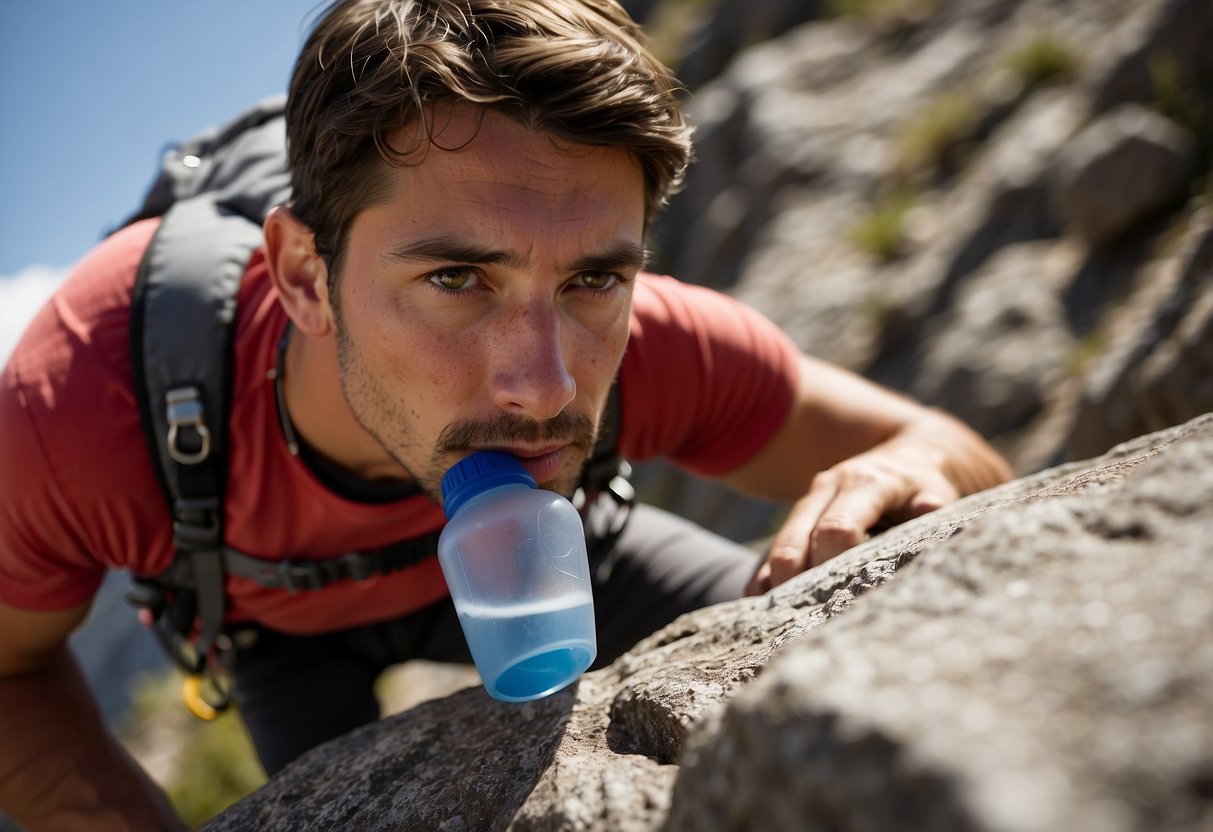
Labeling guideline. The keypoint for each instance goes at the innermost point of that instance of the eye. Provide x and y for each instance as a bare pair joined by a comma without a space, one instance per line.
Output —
597,281
454,280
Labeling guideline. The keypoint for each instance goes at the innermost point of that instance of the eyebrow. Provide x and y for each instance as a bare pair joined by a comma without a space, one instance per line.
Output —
619,254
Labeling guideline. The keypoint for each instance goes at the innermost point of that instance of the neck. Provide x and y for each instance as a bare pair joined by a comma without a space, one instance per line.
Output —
317,411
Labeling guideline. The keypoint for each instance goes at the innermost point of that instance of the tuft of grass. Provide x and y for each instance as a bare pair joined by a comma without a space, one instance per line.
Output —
1185,105
1170,97
929,143
881,233
877,308
203,767
1041,59
220,769
1085,350
881,12
672,24
1178,101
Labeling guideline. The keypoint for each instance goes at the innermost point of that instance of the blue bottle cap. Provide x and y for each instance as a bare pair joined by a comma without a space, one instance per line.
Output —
478,473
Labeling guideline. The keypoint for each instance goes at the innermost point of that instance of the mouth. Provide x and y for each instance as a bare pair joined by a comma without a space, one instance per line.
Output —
544,464
545,449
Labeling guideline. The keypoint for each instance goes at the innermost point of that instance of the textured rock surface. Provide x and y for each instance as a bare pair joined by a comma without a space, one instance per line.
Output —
1120,170
1157,368
1046,667
1032,658
1005,175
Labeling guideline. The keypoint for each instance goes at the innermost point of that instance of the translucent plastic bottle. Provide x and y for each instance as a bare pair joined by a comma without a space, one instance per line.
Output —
515,562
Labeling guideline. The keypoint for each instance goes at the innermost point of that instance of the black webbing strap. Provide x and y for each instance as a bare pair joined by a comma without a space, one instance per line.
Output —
187,282
212,193
306,574
605,497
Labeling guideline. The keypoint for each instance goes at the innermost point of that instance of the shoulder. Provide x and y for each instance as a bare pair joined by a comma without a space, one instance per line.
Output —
704,376
660,298
668,312
69,424
76,349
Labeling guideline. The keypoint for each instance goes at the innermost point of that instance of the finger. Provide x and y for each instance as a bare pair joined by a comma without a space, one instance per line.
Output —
925,502
844,523
760,581
789,552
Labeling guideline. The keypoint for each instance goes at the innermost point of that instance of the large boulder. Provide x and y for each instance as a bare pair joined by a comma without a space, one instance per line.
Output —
1035,657
1122,169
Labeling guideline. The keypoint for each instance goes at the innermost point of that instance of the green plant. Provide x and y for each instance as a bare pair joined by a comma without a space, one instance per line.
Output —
1185,105
672,23
221,768
928,143
1042,58
877,308
204,767
1178,101
1085,350
881,233
881,12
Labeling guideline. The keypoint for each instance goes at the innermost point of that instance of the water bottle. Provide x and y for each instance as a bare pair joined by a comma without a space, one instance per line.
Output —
515,563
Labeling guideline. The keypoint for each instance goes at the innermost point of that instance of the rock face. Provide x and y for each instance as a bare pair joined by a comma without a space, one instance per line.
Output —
961,200
1157,366
1121,169
1032,658
1047,666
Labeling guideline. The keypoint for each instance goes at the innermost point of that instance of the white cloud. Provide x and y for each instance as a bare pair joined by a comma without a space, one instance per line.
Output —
21,295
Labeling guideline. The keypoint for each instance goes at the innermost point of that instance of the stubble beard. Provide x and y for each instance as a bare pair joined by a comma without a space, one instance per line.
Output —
381,417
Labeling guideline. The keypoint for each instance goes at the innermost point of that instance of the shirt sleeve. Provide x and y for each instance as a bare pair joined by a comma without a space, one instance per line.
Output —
41,546
75,479
706,380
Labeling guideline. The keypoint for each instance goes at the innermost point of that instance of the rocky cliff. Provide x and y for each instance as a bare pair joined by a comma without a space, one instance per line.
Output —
1033,658
1005,208
1001,207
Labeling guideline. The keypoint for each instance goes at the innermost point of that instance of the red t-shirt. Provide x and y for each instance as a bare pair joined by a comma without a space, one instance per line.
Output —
705,382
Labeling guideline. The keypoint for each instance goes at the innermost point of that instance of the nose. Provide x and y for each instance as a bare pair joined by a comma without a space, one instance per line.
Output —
530,375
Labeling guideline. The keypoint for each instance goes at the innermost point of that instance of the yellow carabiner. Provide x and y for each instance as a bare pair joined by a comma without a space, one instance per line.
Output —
191,692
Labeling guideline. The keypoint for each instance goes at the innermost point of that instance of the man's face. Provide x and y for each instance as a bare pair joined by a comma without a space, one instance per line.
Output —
485,302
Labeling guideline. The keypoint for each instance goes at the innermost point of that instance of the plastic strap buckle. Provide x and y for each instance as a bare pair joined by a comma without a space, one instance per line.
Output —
358,566
299,575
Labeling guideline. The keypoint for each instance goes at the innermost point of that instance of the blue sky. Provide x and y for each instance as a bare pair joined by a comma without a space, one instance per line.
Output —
90,94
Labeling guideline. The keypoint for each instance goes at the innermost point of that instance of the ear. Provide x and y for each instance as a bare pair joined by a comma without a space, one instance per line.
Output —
298,272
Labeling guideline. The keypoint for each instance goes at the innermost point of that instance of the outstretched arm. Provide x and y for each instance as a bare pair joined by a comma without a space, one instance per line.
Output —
59,767
851,453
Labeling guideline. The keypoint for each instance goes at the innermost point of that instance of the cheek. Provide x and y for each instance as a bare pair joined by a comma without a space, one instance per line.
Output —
432,371
594,358
612,342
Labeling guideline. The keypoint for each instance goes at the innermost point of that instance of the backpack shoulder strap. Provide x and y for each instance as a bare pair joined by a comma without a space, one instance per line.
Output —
187,283
212,194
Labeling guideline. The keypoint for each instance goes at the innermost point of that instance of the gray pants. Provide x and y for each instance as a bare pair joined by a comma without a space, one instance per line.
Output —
296,692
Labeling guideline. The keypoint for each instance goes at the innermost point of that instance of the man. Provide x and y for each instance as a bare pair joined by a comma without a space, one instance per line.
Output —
459,267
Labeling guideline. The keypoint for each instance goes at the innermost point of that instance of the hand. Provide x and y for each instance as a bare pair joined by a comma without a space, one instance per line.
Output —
847,500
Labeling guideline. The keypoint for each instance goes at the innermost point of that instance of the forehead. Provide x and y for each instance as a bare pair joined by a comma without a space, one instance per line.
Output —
472,159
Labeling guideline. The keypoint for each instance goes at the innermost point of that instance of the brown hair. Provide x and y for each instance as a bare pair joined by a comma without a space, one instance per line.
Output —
577,69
